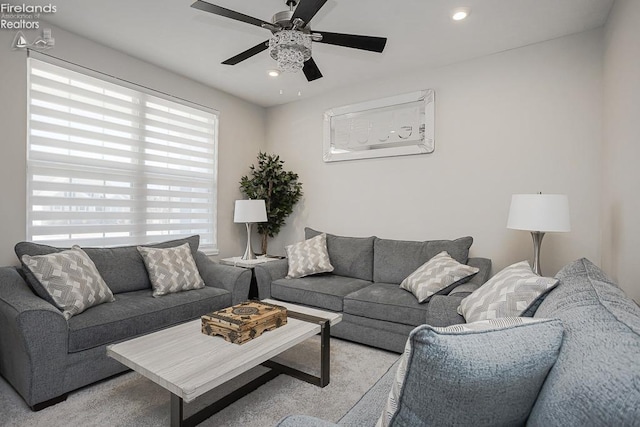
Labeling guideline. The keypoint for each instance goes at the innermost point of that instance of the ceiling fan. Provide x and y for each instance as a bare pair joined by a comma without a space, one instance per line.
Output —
291,36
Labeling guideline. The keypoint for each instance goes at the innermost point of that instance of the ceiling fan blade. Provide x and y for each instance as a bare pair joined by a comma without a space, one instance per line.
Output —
211,8
247,53
311,70
307,9
373,44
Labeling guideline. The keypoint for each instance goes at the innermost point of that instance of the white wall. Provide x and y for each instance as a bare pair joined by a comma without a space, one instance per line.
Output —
13,122
621,192
521,121
242,126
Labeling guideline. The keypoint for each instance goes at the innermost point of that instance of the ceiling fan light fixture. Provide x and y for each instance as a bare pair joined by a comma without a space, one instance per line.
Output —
291,49
291,36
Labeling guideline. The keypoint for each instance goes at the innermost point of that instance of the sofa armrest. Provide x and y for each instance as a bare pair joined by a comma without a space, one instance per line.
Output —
303,421
234,279
267,273
33,340
443,310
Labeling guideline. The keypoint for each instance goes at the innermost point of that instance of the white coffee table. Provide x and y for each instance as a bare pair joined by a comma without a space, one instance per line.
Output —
189,363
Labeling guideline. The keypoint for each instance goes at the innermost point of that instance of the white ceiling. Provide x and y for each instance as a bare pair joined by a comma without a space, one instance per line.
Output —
172,35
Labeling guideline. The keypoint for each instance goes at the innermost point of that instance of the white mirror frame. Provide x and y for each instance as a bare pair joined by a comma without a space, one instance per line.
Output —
396,126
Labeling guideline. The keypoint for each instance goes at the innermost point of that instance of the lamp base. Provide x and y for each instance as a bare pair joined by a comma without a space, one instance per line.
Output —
248,253
537,243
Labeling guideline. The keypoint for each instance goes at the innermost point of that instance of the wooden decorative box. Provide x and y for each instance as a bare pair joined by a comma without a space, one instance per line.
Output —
245,321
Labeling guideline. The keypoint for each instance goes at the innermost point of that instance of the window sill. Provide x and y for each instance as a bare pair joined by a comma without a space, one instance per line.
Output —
210,251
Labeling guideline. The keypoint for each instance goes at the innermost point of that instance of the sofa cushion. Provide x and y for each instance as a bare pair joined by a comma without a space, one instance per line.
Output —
509,293
350,256
70,279
308,257
376,333
171,270
394,260
121,267
323,291
136,313
596,380
388,302
486,373
437,276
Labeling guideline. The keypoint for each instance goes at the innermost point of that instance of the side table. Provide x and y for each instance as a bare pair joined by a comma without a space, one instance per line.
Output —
250,264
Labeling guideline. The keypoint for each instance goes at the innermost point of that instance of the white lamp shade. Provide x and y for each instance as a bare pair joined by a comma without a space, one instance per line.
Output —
249,211
539,212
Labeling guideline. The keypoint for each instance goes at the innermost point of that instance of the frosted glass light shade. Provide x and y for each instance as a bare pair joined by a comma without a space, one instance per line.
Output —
291,49
539,212
250,211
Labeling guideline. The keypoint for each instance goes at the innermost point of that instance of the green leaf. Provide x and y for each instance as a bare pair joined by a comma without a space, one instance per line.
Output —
286,191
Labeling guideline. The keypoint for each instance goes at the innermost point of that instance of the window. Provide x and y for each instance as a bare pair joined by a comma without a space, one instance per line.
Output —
111,165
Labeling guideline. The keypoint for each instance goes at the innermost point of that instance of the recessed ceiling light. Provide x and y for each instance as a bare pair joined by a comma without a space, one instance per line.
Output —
460,13
273,73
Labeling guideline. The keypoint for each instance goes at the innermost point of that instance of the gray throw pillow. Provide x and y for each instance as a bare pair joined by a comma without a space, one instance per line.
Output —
70,279
510,293
437,276
171,269
485,373
350,256
308,257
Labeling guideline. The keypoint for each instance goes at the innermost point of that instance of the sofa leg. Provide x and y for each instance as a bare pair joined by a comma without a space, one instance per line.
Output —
40,406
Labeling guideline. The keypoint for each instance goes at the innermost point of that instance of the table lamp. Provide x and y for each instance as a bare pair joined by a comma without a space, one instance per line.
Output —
539,214
249,212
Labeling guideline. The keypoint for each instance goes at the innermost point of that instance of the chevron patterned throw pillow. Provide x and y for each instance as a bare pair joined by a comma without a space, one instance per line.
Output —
438,275
308,257
171,269
71,279
507,294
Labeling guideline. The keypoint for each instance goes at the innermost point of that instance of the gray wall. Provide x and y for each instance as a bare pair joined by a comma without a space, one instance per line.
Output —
242,128
521,121
621,153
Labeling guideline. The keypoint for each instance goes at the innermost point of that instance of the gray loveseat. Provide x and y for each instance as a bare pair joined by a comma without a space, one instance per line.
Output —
594,382
43,356
364,286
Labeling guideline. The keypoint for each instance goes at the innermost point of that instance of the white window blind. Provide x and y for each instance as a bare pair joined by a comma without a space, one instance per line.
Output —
109,165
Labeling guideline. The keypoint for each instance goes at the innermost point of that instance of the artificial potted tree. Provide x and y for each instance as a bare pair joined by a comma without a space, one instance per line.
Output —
279,188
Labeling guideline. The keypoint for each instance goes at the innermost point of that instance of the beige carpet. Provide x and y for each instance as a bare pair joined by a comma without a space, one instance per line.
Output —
131,400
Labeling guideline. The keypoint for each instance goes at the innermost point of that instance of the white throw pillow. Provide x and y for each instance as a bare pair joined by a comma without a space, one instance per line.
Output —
171,269
308,257
507,294
437,275
71,279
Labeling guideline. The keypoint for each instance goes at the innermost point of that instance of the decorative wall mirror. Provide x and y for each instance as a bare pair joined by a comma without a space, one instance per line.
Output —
396,126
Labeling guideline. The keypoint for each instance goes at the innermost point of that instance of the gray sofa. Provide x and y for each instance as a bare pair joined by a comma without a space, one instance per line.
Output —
364,286
594,382
43,356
